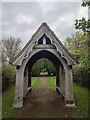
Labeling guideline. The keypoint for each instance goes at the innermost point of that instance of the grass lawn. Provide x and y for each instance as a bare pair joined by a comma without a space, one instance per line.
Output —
35,83
7,100
52,83
80,95
81,100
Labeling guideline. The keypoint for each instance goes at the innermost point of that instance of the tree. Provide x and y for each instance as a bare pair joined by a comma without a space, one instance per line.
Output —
11,47
84,4
77,45
43,65
83,24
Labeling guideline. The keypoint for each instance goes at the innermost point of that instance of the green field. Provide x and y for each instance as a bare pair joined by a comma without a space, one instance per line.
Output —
7,100
80,95
81,100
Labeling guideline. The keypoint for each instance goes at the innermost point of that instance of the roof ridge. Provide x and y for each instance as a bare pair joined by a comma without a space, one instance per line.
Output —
52,32
66,50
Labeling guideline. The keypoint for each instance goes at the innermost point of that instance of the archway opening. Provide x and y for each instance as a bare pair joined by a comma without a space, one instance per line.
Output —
43,74
47,57
44,44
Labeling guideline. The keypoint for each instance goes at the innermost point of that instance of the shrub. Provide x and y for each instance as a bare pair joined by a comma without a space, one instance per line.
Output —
43,65
80,75
8,76
35,70
51,69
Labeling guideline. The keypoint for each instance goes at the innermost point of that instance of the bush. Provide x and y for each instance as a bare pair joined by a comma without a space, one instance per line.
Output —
43,65
35,71
8,76
80,75
51,69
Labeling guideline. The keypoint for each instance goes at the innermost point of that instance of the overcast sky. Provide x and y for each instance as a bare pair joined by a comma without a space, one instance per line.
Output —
21,19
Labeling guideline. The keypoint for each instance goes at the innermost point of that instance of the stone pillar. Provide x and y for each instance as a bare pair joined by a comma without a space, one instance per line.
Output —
29,80
21,84
69,88
57,78
62,87
17,83
60,76
26,82
18,102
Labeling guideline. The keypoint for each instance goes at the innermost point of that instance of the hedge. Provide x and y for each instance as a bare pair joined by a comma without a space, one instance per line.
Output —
80,75
35,70
43,65
8,76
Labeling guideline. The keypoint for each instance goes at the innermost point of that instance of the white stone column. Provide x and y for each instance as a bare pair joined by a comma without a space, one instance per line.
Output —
58,80
21,84
69,87
60,76
18,102
68,84
62,81
17,84
26,82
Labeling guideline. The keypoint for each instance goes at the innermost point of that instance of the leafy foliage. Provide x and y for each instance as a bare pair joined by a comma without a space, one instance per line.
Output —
8,76
77,45
84,4
43,65
80,75
11,47
36,70
83,24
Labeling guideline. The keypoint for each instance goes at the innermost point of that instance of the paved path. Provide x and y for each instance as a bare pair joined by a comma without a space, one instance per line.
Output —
44,103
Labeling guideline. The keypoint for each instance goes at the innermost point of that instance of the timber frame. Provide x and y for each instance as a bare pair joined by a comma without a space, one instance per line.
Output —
44,44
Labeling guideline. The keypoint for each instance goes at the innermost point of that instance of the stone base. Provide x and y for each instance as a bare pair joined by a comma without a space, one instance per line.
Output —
70,104
18,103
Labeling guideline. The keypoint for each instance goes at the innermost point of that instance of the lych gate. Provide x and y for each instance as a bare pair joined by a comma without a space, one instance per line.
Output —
44,44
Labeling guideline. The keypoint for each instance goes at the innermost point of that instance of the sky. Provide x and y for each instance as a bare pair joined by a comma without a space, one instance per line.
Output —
21,19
